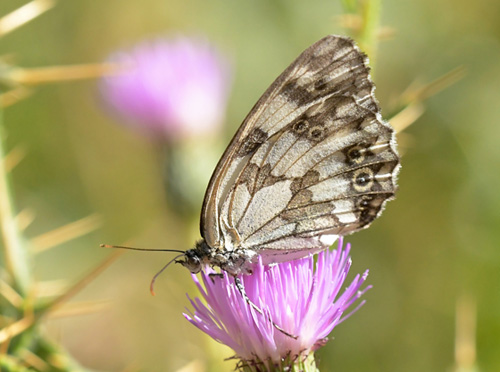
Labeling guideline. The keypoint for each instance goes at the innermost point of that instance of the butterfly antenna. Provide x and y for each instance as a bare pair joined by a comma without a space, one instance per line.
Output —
141,249
151,286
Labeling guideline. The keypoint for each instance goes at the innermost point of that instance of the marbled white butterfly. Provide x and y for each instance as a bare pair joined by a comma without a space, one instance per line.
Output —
312,160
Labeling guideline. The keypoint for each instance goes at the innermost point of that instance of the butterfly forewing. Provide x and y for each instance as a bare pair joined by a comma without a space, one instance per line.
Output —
312,160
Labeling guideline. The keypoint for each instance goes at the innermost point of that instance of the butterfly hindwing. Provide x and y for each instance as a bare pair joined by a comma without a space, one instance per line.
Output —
312,160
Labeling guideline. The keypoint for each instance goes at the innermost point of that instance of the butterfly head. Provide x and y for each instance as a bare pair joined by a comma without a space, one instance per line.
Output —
191,261
196,257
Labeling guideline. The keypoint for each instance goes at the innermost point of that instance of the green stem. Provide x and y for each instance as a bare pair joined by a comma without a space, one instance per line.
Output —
370,14
14,252
350,6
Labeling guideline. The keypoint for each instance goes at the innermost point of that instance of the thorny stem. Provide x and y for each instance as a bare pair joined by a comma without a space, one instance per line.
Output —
23,15
78,286
55,74
14,250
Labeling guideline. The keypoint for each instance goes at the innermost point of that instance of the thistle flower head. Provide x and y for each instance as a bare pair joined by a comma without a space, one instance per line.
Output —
169,87
301,297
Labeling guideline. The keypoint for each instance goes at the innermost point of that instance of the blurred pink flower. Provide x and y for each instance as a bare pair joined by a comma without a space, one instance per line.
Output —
299,296
169,87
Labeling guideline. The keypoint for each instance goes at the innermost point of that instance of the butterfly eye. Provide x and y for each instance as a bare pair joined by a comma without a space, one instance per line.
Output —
192,261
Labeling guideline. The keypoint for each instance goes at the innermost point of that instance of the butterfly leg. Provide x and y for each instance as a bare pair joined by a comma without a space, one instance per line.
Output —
215,275
241,289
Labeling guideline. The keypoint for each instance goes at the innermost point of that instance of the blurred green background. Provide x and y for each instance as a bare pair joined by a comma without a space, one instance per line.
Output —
435,246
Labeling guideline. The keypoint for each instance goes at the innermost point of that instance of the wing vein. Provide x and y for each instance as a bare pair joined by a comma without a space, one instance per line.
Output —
344,197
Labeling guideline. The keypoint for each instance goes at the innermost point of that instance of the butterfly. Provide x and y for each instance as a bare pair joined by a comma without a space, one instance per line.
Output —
313,160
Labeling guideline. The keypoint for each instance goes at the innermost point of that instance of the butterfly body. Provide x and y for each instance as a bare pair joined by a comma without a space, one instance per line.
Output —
312,160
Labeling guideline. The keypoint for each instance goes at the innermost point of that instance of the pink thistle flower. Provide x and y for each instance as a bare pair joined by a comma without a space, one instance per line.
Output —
301,297
172,88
